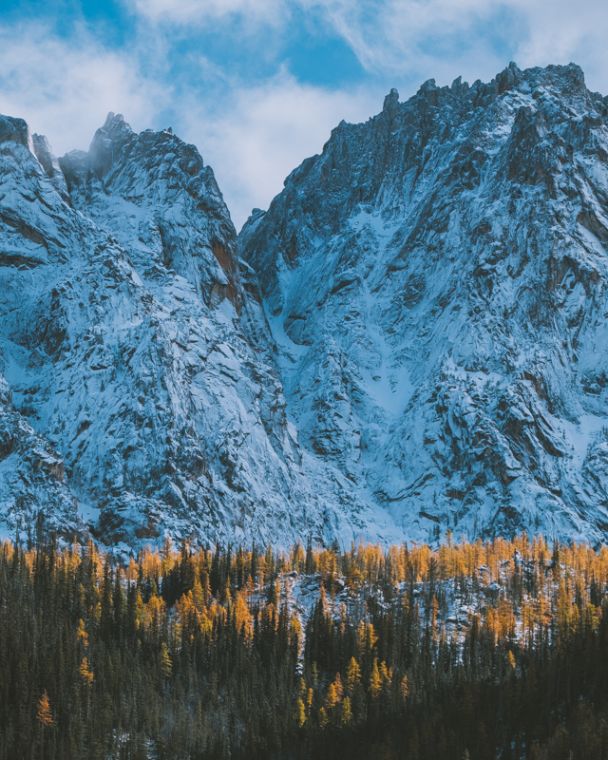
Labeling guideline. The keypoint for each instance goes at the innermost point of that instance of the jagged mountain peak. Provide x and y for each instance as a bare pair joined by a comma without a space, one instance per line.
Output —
440,114
557,80
115,126
155,174
568,78
116,147
14,129
437,277
108,141
414,342
137,366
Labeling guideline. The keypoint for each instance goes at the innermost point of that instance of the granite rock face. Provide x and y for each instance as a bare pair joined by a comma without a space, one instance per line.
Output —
436,282
412,339
135,348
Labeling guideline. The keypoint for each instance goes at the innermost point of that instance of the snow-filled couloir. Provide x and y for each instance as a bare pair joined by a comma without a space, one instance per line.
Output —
412,339
436,282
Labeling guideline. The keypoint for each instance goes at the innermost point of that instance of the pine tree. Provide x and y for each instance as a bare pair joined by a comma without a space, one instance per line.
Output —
44,714
346,715
353,675
166,663
404,688
375,680
86,674
300,712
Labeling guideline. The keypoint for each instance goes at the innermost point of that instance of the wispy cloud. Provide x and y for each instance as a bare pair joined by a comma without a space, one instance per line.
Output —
409,38
394,35
198,11
469,36
254,123
259,134
65,88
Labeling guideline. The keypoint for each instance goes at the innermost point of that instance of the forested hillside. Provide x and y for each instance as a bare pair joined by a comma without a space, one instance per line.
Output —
474,650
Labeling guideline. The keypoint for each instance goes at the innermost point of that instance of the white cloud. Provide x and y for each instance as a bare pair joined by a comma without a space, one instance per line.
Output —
260,134
391,34
254,134
198,11
65,88
441,37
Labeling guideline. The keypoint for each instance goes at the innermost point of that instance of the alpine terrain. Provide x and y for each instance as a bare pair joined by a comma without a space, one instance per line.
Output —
412,339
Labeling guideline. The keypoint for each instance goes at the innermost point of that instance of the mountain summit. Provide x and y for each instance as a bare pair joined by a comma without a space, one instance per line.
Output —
410,340
130,344
436,283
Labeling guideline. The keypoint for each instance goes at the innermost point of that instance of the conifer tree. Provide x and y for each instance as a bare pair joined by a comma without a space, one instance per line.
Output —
44,714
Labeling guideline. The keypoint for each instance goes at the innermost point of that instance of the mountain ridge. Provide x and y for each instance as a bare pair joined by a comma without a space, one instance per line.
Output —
409,340
419,226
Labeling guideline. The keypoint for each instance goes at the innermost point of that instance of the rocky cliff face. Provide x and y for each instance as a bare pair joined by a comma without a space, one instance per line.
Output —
411,339
436,282
131,343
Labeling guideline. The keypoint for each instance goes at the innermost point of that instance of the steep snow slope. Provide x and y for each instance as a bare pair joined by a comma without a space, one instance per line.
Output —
129,341
436,284
414,342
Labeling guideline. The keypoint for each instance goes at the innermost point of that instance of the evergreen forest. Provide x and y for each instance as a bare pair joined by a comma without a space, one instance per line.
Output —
468,651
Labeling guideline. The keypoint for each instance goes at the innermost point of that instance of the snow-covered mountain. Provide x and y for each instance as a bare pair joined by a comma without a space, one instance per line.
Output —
131,344
436,282
411,339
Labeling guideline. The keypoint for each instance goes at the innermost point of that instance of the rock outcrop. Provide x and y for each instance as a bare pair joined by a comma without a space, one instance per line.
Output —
412,339
437,285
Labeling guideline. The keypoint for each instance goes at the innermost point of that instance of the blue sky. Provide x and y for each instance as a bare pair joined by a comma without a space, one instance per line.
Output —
257,85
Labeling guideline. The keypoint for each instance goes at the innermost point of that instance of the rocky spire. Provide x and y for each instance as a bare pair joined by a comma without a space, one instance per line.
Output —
391,101
107,141
508,78
13,130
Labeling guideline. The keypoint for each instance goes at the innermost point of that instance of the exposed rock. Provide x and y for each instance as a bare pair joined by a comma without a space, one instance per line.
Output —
411,339
450,255
130,344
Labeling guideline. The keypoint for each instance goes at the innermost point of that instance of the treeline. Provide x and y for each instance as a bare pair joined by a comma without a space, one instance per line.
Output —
475,650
